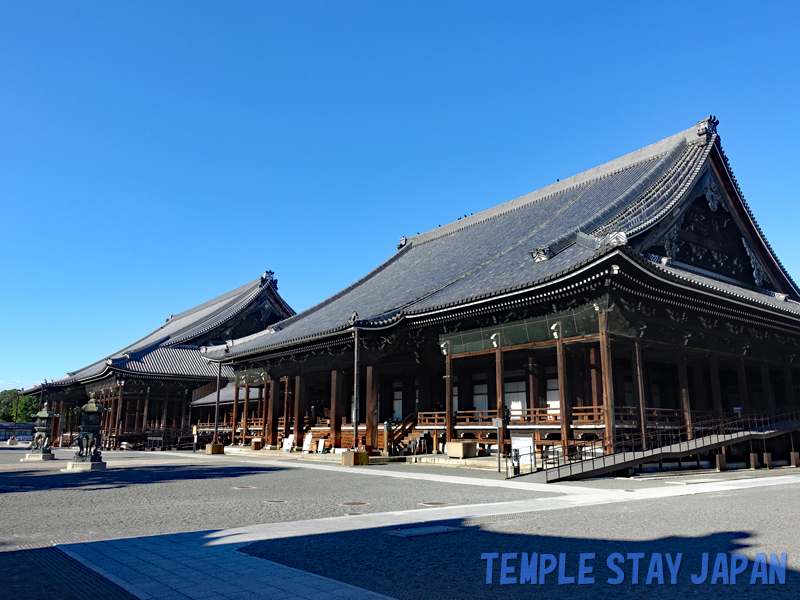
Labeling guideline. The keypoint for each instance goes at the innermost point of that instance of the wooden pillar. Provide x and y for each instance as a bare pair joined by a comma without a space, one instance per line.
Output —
119,407
425,392
235,410
769,399
272,418
337,407
263,390
532,382
299,409
716,388
563,395
245,412
371,408
595,377
448,398
183,409
113,418
741,375
499,377
137,410
287,405
607,379
166,412
683,383
699,385
640,389
788,385
146,406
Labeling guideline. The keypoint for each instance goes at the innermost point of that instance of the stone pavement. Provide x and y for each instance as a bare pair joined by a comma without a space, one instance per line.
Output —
182,566
207,565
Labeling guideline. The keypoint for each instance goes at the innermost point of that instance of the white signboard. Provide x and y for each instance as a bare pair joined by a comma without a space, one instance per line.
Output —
288,442
320,445
307,442
525,447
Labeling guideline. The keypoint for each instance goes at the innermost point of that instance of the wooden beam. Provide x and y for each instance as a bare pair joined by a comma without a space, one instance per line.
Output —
606,378
448,398
371,407
164,417
543,344
337,407
563,395
683,382
639,388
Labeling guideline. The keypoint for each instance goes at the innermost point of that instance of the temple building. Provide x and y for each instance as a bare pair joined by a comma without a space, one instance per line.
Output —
636,296
149,385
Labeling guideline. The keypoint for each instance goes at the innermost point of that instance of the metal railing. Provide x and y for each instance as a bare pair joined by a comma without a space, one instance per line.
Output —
583,457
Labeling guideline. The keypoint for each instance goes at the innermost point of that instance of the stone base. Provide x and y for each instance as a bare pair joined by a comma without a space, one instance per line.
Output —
722,463
215,449
12,441
352,459
767,460
794,459
37,457
82,467
754,460
271,447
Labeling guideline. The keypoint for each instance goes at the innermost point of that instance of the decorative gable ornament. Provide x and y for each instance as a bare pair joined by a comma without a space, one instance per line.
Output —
541,254
758,271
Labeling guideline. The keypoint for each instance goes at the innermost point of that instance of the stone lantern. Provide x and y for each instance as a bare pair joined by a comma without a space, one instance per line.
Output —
88,457
40,450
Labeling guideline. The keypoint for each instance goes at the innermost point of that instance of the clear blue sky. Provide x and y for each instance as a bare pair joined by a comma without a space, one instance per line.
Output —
154,155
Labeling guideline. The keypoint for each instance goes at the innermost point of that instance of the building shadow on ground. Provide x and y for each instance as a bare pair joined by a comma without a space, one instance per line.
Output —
35,480
449,564
49,573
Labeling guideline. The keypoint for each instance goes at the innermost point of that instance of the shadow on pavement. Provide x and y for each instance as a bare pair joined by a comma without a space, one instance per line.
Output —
36,480
49,573
449,565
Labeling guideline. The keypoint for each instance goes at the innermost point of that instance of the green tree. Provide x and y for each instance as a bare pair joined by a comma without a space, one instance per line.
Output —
12,403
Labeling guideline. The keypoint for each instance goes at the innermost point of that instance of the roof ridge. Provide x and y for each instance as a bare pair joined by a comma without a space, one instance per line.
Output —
608,169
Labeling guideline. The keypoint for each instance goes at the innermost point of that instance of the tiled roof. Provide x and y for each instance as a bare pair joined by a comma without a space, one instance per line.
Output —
168,350
490,252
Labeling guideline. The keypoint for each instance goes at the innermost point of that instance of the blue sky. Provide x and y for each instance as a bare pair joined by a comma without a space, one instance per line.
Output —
155,155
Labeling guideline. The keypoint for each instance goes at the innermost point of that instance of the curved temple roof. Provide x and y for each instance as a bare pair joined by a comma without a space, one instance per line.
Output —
516,244
172,349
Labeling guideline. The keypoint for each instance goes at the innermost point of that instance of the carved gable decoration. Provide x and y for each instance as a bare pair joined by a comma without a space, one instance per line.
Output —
708,239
